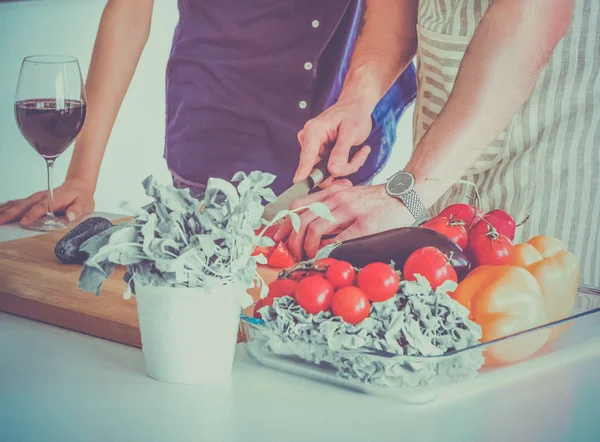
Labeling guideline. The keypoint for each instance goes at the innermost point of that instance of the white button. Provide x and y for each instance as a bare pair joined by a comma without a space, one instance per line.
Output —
315,23
308,65
302,104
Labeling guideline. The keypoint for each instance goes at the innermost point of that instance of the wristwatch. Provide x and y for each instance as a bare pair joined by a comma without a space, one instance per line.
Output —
401,185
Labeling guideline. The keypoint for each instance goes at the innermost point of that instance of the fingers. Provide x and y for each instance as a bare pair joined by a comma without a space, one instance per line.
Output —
353,231
35,212
322,195
312,138
346,138
284,230
320,227
296,240
80,208
14,210
356,162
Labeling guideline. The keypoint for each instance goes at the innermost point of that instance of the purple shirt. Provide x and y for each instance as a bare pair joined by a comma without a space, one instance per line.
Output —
245,76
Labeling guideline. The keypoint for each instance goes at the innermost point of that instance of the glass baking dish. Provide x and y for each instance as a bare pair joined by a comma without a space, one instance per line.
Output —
420,379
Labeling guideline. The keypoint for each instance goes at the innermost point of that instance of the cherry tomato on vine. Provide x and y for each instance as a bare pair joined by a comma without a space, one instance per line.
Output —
464,212
277,289
432,265
501,221
340,274
379,281
351,304
488,247
453,228
314,294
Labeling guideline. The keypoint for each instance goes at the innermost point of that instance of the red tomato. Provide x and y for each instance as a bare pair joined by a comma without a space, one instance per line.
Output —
453,228
265,250
281,258
299,275
314,293
260,304
489,247
282,287
431,264
323,264
469,214
351,304
258,250
277,289
501,221
269,233
379,281
341,274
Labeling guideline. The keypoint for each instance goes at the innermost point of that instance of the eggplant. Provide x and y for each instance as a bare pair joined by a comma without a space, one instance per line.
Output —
67,249
397,245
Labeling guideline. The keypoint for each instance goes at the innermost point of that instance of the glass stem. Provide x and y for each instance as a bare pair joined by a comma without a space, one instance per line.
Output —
50,167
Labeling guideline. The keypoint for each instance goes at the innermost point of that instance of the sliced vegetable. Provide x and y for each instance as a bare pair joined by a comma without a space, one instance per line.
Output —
314,293
340,274
378,281
351,304
504,300
281,258
431,264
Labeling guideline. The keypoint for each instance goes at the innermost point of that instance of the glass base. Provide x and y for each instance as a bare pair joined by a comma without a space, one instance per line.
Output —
47,224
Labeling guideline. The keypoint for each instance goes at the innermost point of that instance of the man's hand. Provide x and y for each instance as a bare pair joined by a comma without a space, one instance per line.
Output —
358,211
346,123
74,197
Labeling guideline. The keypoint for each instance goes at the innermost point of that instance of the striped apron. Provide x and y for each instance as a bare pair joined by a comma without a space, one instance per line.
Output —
546,163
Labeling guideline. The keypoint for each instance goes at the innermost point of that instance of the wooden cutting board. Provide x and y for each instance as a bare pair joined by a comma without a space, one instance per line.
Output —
35,285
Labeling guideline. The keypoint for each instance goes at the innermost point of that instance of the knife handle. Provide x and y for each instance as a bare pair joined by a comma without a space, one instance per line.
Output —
320,172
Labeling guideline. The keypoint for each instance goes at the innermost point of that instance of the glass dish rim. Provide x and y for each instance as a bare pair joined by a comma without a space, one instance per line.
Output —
582,289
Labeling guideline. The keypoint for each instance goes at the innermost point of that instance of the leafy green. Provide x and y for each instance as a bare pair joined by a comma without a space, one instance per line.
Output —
180,241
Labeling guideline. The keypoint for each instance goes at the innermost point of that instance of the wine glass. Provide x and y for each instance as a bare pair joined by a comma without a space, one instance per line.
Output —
50,109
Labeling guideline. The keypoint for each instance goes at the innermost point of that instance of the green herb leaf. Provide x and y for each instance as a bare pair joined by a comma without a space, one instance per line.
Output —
296,222
322,211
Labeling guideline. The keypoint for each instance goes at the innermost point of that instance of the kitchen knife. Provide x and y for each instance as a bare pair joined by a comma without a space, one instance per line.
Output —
298,190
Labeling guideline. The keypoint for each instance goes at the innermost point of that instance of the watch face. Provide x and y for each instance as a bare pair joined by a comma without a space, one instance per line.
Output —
400,183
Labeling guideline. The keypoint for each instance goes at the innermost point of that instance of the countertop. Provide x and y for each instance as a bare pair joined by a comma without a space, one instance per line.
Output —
58,385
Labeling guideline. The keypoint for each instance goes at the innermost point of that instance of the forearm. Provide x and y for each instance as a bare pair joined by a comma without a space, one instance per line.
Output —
509,49
385,47
122,35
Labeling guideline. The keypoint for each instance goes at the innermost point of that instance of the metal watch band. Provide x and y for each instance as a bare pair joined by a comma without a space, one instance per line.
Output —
414,205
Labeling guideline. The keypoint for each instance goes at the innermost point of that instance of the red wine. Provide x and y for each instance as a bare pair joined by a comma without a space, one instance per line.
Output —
50,130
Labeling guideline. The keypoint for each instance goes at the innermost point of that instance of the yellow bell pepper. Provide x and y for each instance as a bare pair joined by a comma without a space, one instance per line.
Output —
539,287
556,271
504,300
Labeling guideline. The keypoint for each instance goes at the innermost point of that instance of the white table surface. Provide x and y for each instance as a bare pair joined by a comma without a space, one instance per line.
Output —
58,385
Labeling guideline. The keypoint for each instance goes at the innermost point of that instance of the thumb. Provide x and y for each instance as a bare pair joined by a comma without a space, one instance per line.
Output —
340,154
77,210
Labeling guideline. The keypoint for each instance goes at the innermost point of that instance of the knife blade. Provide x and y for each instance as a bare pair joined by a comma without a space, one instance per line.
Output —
298,190
302,188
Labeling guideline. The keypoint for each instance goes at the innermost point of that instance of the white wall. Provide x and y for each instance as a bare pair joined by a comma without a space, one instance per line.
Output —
136,146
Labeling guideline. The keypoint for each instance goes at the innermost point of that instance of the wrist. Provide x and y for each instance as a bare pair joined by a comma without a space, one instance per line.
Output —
83,182
361,89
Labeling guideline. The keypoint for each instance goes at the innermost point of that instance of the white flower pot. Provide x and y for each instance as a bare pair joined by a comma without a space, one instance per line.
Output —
188,335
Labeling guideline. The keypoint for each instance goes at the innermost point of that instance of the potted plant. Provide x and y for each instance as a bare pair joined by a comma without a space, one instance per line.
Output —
189,263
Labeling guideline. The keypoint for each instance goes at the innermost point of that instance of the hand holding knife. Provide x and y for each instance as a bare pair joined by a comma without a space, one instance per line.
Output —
302,188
